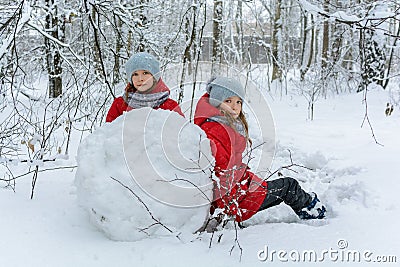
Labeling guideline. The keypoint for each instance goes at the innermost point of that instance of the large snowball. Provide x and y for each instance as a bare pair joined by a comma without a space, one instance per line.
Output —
146,166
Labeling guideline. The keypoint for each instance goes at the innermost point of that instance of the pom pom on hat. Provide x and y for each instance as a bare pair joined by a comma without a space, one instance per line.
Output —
220,88
142,61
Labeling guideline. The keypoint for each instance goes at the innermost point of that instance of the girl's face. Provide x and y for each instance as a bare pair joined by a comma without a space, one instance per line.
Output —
142,80
232,105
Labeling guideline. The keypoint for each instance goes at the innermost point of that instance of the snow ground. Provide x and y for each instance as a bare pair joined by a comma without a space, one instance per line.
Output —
353,176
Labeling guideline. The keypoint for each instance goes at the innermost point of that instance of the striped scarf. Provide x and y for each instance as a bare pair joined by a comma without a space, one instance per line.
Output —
136,100
236,124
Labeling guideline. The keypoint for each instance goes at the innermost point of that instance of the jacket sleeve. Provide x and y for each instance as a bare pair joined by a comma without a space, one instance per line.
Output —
220,144
116,109
172,105
225,188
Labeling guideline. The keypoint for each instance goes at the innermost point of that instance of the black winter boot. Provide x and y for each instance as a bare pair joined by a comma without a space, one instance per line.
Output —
314,210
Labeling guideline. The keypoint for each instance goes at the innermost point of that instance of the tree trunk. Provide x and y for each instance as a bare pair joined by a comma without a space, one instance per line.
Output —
142,25
307,65
97,61
190,36
216,56
129,44
239,30
325,40
118,47
391,55
276,33
53,57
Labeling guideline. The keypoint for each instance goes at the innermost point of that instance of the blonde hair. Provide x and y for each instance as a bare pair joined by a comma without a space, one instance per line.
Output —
243,120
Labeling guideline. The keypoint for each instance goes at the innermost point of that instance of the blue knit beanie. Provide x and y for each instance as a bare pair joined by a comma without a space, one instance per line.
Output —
220,88
142,61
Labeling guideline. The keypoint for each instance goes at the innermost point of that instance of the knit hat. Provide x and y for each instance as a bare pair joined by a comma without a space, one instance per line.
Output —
220,88
142,61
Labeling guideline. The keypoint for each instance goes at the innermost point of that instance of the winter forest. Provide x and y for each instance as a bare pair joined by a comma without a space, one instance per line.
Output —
329,70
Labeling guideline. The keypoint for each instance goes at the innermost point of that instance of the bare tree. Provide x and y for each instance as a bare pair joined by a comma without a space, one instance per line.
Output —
277,27
216,56
308,30
54,27
96,24
325,39
190,32
239,31
118,51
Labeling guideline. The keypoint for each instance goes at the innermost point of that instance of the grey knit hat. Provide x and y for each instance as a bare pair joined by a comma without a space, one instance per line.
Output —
142,61
220,88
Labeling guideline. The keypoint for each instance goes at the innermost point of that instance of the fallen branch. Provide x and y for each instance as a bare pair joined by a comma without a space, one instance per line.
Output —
237,243
366,118
43,170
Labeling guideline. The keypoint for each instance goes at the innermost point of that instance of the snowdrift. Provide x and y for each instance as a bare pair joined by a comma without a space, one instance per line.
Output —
145,174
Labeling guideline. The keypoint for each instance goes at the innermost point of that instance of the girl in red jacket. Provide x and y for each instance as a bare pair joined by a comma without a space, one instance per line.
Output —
145,88
238,193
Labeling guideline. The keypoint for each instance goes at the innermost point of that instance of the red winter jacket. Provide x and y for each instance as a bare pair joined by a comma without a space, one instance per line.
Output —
239,192
119,105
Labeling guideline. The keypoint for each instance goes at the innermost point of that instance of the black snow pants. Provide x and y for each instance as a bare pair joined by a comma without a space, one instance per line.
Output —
287,190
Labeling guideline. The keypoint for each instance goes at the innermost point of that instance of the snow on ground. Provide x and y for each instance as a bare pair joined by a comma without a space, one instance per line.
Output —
354,177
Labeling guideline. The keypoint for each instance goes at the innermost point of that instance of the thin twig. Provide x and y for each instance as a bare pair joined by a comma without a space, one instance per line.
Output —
190,182
236,242
288,167
366,118
42,170
157,222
